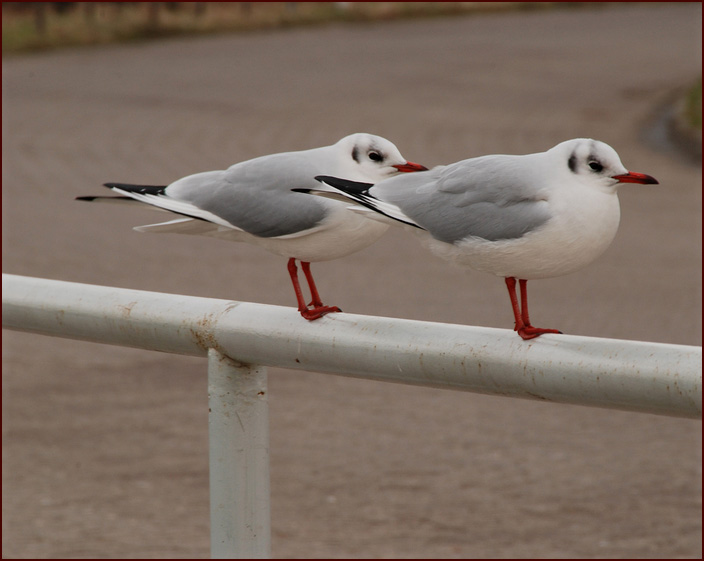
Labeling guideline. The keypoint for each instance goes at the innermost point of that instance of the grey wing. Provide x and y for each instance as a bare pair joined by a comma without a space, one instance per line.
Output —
485,198
255,196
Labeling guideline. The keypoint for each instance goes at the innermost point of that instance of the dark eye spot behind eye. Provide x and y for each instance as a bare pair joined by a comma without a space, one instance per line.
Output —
595,166
375,156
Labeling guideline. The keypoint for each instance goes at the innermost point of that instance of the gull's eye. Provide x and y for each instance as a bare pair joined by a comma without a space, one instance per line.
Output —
595,166
375,156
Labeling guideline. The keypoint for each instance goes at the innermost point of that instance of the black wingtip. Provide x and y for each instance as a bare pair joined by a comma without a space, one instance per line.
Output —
352,187
143,189
106,199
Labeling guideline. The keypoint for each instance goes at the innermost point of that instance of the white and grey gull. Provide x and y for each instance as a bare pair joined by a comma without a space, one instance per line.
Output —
254,201
520,217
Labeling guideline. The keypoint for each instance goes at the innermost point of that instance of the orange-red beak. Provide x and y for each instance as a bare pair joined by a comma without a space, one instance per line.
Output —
633,177
409,167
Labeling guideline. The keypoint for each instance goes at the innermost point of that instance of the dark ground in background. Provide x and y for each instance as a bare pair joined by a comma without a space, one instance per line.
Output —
105,448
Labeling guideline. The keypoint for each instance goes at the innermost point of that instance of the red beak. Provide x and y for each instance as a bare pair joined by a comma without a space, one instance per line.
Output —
633,177
409,167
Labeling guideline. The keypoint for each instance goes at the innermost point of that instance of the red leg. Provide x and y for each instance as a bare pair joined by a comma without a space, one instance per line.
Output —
293,271
317,302
522,319
518,321
529,329
318,310
523,283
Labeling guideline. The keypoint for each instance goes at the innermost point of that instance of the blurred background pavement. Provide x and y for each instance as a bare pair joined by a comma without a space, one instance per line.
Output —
105,448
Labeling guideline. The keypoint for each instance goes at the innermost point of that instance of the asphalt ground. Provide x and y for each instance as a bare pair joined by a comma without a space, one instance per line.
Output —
105,448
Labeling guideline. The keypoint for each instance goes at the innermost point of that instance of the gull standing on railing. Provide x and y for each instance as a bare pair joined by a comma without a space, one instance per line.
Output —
520,217
254,202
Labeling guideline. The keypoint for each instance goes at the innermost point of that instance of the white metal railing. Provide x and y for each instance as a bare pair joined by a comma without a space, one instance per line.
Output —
240,339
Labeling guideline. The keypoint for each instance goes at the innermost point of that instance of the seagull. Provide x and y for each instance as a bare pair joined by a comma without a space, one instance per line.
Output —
518,217
253,201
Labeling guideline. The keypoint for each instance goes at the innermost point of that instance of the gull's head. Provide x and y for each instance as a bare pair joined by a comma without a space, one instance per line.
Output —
367,157
596,163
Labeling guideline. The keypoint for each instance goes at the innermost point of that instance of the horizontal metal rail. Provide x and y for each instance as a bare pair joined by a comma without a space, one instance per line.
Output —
241,339
638,376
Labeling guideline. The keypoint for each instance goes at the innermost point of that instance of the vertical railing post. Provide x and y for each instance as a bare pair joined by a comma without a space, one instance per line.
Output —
239,459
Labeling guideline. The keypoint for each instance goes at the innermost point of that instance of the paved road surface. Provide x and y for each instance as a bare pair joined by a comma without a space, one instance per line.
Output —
105,448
